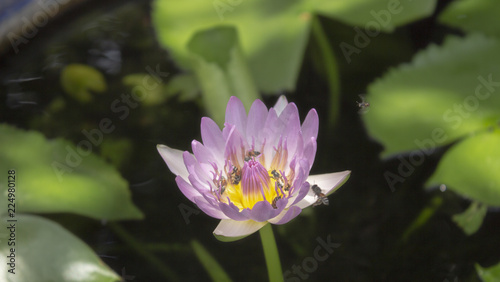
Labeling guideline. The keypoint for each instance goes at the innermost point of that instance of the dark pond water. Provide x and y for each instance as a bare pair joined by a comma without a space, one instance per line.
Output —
374,224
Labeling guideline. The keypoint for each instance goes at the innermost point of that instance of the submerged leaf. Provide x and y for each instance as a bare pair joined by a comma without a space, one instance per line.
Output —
147,88
79,80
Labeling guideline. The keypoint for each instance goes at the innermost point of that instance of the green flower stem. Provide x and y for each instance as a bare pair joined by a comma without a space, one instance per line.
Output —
141,250
332,72
271,253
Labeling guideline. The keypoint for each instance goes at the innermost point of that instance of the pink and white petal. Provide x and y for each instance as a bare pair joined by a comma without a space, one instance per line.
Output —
202,154
286,215
201,187
299,195
236,114
234,142
310,125
293,142
198,177
263,211
209,209
239,229
271,133
273,127
256,119
232,212
290,116
280,104
212,137
174,160
310,151
187,189
327,182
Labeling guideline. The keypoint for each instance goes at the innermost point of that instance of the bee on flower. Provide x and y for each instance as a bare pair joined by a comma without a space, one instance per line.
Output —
255,170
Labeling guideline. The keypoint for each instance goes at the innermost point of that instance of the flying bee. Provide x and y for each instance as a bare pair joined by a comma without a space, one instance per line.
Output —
322,199
235,176
363,105
275,201
251,154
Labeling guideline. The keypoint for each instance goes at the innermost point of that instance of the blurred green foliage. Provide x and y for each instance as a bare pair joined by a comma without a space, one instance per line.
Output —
60,177
447,95
52,177
221,69
489,274
472,218
471,168
434,100
272,35
41,240
473,16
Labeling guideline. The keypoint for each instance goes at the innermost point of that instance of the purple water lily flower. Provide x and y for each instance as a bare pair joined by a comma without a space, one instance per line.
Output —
254,171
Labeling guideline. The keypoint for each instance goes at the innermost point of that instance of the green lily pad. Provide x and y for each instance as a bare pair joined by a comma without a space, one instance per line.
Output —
471,168
79,80
273,34
490,274
221,70
472,218
55,176
45,251
445,93
473,16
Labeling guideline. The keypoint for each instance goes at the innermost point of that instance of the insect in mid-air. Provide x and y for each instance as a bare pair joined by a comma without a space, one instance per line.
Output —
322,199
363,105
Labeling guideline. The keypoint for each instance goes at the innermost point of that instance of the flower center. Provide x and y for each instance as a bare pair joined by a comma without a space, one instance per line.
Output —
255,184
252,183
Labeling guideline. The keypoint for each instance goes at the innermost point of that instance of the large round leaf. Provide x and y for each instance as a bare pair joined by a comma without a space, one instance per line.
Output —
472,168
221,70
273,34
473,16
56,176
44,251
446,92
